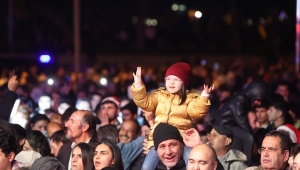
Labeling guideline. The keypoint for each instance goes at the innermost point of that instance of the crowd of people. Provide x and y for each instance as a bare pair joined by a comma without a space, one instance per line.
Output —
183,118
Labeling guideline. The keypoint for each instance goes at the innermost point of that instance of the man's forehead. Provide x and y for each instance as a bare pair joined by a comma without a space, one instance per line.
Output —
108,105
128,124
169,141
271,141
76,115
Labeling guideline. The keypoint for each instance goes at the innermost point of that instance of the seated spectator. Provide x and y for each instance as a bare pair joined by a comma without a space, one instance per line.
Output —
295,148
296,159
109,132
38,142
44,102
67,114
202,157
57,139
275,151
63,105
8,149
107,154
53,127
47,163
82,157
262,116
220,138
56,117
38,122
95,100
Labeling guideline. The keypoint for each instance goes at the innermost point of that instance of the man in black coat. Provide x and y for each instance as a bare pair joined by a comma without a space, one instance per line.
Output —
234,114
81,127
10,97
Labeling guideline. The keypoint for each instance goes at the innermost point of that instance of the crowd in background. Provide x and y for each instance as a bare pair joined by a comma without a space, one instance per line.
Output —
47,114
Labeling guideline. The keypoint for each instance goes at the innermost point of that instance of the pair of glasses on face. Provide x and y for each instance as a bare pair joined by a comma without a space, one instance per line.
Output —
269,150
175,80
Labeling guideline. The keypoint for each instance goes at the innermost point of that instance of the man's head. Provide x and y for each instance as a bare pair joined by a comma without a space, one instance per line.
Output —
283,89
275,150
83,104
53,127
8,149
129,131
95,100
261,112
81,122
202,157
278,110
220,138
253,121
110,106
129,112
168,144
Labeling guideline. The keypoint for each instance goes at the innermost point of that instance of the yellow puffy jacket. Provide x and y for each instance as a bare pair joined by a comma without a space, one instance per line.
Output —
167,109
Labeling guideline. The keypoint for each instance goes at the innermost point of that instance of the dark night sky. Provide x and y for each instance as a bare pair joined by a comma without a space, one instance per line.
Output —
107,27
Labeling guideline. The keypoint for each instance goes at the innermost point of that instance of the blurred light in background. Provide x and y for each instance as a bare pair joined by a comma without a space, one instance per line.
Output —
175,7
45,58
103,81
262,20
249,22
282,16
151,22
134,19
50,82
198,14
216,66
203,62
181,7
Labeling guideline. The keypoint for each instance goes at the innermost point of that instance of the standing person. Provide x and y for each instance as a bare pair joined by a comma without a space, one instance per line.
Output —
10,97
234,114
172,104
81,127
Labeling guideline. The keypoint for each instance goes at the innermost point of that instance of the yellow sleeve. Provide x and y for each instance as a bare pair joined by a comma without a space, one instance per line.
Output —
198,107
144,100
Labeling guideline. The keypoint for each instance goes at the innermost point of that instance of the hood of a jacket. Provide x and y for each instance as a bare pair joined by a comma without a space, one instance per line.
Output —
257,89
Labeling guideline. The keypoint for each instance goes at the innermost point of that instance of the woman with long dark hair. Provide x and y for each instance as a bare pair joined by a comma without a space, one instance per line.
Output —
82,157
107,154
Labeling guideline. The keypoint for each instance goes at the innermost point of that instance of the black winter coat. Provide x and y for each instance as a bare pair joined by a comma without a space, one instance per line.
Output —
235,110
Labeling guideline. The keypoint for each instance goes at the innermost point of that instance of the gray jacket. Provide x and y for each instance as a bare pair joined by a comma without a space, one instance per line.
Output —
233,160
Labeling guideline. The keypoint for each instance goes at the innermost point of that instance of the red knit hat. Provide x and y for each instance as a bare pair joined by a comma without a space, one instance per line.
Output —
181,70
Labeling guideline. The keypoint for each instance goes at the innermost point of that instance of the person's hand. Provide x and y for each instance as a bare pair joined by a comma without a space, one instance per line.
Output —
13,84
104,119
191,137
207,89
138,78
145,143
149,116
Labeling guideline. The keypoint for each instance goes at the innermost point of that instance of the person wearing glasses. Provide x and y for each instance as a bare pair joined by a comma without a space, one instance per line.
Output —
220,138
275,151
172,104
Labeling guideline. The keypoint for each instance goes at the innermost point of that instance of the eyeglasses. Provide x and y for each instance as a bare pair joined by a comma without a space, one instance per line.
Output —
270,150
176,80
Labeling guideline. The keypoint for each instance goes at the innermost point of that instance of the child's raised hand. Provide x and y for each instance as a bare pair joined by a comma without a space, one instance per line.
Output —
138,78
207,89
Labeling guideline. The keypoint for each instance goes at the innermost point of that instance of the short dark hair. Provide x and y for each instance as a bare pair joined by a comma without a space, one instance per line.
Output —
87,154
59,136
131,107
91,120
109,132
67,114
264,104
7,143
283,106
285,140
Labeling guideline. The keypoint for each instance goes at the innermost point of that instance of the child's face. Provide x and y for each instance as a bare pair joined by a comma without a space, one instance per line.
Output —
173,84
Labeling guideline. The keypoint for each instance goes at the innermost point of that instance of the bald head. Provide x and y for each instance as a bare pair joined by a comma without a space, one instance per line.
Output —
202,157
53,127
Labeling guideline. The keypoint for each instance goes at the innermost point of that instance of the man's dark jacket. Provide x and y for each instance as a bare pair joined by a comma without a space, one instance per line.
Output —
235,111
